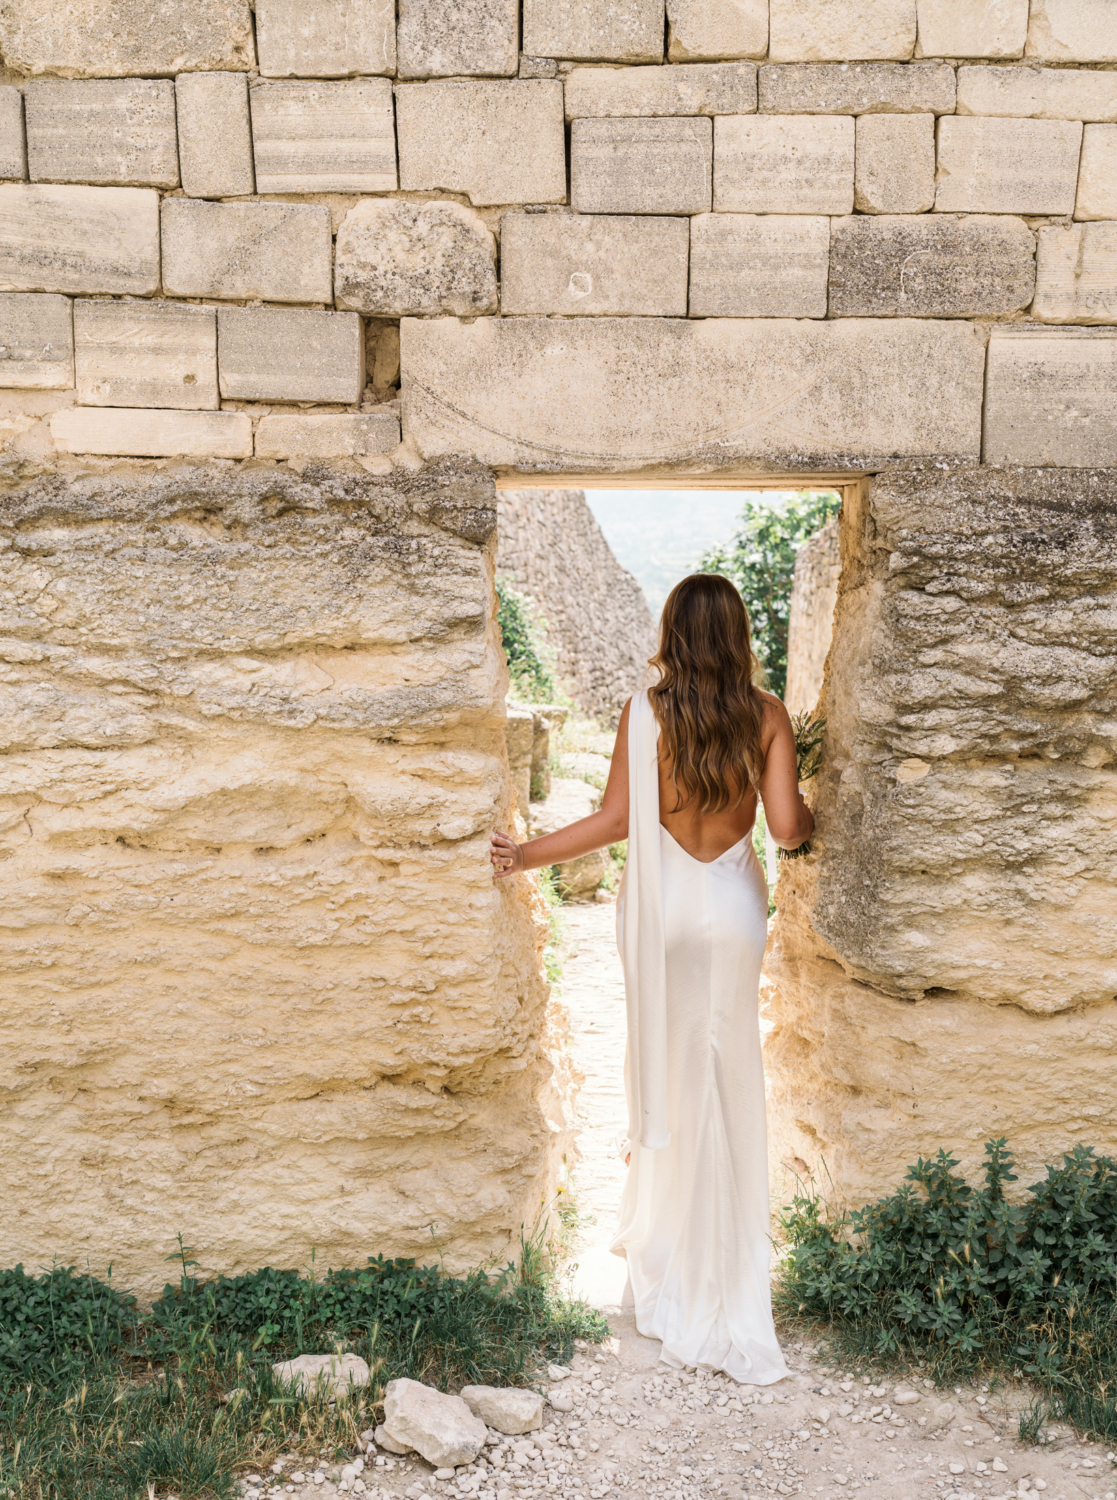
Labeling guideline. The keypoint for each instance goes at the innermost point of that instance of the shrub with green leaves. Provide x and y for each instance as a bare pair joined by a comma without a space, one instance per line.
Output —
61,1317
523,634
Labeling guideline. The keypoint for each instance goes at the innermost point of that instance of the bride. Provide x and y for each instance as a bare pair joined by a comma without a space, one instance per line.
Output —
694,754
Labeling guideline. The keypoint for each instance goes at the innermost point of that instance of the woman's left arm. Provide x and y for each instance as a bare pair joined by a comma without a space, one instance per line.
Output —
607,826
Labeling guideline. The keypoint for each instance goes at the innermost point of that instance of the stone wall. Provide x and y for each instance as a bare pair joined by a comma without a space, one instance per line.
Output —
267,256
598,621
814,593
258,984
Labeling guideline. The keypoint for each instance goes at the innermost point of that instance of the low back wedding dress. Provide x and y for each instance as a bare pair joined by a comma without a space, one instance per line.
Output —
694,1216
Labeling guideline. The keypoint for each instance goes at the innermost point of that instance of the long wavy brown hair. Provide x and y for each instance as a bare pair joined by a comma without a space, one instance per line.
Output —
709,711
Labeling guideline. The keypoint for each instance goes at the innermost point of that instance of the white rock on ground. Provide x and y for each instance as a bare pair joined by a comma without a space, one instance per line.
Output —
442,1428
337,1373
508,1411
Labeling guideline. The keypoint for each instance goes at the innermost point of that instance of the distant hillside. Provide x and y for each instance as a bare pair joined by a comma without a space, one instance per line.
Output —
659,535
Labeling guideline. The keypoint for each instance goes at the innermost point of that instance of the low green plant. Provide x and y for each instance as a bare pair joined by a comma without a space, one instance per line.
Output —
523,634
962,1279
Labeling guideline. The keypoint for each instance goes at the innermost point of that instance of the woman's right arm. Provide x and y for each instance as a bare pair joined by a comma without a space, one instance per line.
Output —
789,819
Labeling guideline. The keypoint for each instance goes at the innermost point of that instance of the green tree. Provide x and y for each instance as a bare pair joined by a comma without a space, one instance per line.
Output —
523,634
760,560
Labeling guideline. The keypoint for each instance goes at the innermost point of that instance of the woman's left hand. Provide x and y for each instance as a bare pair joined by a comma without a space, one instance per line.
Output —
506,855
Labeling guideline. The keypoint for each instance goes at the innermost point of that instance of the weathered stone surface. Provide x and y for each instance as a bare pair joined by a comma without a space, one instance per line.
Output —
1051,399
318,137
689,89
332,1374
258,717
810,624
552,549
835,31
13,151
133,353
594,264
1043,93
441,38
895,172
123,37
496,142
966,28
441,1428
711,391
102,130
144,433
959,905
1097,175
706,30
290,354
948,266
214,136
1073,31
783,164
641,166
329,39
347,435
857,89
385,1440
398,258
279,252
36,342
1076,274
1007,166
585,30
519,733
78,239
758,266
508,1411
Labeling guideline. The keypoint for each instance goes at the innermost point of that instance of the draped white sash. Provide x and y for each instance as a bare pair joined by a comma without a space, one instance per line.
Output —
643,948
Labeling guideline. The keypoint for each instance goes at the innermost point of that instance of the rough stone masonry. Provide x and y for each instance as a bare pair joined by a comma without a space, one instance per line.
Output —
281,293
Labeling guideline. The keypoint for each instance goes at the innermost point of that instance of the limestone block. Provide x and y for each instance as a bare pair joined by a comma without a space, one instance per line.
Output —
511,390
347,435
706,30
36,342
1097,174
326,39
1044,93
495,141
783,164
78,239
810,616
324,137
331,1374
1052,399
995,166
1073,31
519,733
972,28
689,89
13,151
214,136
102,130
948,266
441,1428
123,37
278,252
641,166
504,1410
568,800
143,433
593,264
895,172
133,353
758,266
1076,274
835,31
290,354
441,38
398,258
585,30
857,89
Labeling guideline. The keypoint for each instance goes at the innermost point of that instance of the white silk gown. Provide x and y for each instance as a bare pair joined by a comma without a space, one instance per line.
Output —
694,1220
